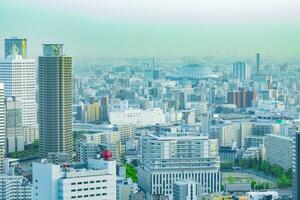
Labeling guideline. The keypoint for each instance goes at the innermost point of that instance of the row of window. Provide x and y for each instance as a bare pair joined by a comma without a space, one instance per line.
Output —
86,182
85,189
91,195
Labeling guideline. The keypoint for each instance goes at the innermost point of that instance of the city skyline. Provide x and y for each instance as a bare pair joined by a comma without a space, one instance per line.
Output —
156,29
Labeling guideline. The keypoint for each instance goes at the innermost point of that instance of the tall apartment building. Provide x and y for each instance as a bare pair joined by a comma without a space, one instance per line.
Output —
92,113
19,77
96,182
296,166
241,71
279,150
104,109
15,187
14,44
14,127
2,127
241,98
167,157
55,100
227,134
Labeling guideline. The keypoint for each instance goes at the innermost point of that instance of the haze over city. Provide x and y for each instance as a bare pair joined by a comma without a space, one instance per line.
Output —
156,28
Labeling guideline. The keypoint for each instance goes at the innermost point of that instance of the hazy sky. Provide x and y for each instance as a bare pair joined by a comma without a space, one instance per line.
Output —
120,28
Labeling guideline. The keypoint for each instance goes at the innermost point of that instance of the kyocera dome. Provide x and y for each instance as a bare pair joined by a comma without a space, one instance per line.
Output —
193,71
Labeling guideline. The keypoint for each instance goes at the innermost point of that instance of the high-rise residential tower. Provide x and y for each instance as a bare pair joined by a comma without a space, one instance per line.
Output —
2,127
241,71
55,100
15,44
19,77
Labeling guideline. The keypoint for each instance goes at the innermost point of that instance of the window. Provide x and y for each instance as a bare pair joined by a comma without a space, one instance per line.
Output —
92,181
79,183
73,183
104,181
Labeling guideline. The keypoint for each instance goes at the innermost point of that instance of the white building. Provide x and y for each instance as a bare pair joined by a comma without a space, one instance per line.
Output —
19,78
137,117
97,182
272,195
186,190
167,157
2,127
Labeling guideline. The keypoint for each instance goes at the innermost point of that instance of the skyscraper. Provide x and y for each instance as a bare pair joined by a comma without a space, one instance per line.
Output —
15,44
55,100
257,63
19,77
2,121
241,71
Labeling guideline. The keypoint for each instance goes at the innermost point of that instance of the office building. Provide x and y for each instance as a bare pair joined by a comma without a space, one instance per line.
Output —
167,157
55,101
279,150
15,45
96,182
186,190
14,127
19,77
241,71
2,127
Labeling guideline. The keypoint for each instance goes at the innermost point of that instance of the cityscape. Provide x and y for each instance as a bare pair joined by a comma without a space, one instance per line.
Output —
149,100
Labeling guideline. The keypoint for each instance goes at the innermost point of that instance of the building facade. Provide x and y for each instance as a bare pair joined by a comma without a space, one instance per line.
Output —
2,127
14,126
279,150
